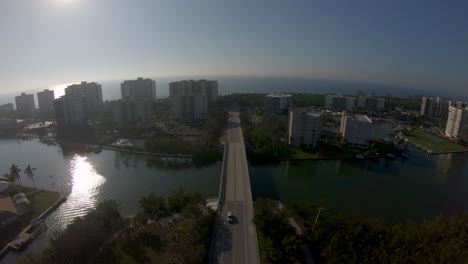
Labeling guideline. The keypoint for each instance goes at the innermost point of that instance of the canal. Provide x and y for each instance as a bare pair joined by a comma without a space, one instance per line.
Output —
391,190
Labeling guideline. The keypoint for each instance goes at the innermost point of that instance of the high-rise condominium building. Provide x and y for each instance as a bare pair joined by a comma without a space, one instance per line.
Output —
277,103
6,109
304,128
356,130
457,122
340,103
25,104
371,103
92,91
45,100
189,99
139,89
435,107
71,111
134,111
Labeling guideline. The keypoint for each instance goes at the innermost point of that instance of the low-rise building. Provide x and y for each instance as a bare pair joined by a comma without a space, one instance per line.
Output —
371,103
132,111
304,128
356,130
6,109
457,122
340,103
45,100
277,103
25,105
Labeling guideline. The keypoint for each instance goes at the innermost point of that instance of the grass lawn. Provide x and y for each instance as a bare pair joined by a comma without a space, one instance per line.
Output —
433,142
41,201
299,153
324,151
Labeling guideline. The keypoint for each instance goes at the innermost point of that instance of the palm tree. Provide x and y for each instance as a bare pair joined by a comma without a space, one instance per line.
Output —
15,172
29,172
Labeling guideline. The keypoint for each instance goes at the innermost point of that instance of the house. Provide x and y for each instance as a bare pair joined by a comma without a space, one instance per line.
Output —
4,185
22,204
8,213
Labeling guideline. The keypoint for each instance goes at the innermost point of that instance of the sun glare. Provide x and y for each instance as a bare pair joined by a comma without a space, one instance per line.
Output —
85,180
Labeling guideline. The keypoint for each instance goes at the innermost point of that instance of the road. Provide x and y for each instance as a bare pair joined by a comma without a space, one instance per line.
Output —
237,241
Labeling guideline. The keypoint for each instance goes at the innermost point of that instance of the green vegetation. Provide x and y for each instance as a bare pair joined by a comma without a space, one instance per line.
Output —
277,240
82,240
410,103
343,239
166,145
432,142
41,201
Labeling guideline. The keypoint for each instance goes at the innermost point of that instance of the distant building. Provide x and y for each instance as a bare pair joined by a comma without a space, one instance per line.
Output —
435,107
371,103
91,91
139,89
340,103
71,111
277,103
25,104
139,111
304,128
356,130
211,89
45,100
189,99
6,109
7,126
457,122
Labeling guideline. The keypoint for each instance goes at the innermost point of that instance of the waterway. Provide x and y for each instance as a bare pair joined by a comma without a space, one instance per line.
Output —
392,190
418,188
88,179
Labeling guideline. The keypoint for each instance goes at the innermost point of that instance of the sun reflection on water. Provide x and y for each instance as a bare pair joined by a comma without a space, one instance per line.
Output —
86,182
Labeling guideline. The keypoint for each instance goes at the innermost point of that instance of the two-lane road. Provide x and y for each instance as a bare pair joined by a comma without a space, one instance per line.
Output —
239,239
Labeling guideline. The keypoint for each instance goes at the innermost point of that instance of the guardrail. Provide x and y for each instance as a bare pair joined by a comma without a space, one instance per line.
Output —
219,210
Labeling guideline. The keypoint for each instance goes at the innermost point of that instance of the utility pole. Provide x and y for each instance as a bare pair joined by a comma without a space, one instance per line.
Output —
316,219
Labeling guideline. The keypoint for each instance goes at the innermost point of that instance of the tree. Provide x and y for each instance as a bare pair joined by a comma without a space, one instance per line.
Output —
15,173
30,174
153,206
180,198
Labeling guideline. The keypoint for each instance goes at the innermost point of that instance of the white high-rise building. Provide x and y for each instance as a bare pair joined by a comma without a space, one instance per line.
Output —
45,100
92,91
356,130
435,107
139,89
340,103
189,99
371,103
277,103
25,104
138,111
304,128
457,122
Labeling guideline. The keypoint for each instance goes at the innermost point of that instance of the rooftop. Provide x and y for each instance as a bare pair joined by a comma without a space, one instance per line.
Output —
361,118
6,204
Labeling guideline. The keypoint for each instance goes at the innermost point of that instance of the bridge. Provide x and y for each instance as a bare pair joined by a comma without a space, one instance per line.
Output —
235,242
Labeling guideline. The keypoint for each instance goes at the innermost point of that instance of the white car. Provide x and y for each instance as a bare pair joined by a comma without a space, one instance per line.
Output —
229,217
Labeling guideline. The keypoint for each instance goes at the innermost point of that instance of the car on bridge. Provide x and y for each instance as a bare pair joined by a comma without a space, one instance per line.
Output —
230,217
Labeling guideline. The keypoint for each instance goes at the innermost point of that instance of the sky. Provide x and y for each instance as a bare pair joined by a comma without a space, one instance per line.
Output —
420,44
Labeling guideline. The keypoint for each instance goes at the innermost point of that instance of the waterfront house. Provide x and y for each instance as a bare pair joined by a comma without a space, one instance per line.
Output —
8,211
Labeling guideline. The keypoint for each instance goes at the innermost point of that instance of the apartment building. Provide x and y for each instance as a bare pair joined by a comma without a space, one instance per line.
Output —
340,103
45,99
139,89
304,128
277,103
189,98
6,109
132,111
25,104
71,111
356,130
91,91
371,103
435,107
457,122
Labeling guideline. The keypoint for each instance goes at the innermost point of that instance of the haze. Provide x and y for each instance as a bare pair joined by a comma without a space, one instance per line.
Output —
420,44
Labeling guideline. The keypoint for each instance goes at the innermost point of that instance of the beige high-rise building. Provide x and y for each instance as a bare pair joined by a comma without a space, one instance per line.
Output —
92,91
356,130
457,122
189,99
304,128
340,103
139,89
435,107
25,104
45,100
277,103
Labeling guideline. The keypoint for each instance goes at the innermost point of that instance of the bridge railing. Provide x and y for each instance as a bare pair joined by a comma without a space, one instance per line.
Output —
219,211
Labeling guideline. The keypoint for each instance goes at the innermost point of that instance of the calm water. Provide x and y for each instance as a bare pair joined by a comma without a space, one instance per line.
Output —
420,187
394,191
89,178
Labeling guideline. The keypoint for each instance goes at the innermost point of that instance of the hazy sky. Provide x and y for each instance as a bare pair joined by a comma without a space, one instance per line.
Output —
422,44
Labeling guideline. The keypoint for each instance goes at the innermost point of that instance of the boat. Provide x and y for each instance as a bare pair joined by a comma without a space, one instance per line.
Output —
391,156
404,155
27,236
360,157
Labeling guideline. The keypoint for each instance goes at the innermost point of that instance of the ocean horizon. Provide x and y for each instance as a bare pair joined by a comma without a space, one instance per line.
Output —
231,85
